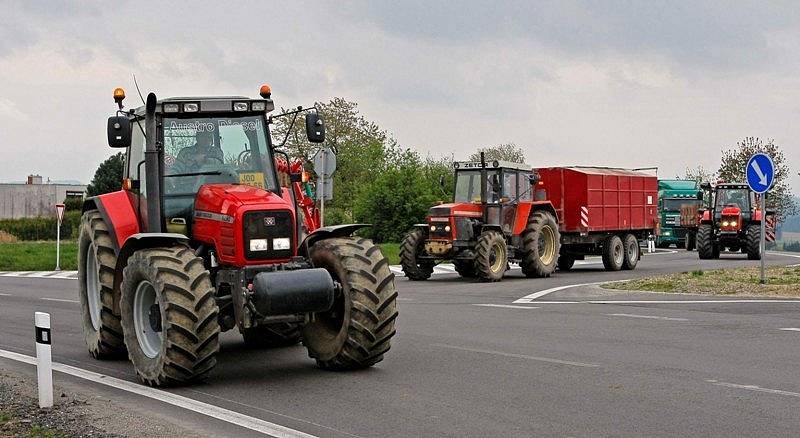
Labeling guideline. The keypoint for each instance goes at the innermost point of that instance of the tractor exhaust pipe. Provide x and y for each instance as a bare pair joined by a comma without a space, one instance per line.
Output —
151,167
483,188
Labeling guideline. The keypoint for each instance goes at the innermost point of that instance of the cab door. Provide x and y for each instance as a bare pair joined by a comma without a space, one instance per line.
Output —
509,200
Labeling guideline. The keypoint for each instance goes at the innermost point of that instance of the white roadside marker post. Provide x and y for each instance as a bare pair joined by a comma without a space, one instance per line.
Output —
60,217
44,361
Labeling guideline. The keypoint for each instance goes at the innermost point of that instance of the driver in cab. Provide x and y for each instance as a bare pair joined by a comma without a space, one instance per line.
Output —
193,158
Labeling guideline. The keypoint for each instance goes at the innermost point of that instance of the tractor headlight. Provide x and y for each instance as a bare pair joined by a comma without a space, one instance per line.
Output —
191,107
433,227
733,224
258,106
258,245
281,243
447,228
171,108
240,106
725,223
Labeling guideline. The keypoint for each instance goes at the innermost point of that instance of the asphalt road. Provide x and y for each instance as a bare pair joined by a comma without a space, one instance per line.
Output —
555,366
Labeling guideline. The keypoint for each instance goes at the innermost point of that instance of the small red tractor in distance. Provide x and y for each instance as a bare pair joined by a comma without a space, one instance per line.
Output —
202,239
603,211
493,219
732,221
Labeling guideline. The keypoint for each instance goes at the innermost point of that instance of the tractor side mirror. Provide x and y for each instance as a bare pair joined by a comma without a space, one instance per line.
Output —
119,132
534,178
315,128
700,196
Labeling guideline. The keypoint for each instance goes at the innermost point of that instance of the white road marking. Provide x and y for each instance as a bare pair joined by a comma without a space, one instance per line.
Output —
669,302
630,315
529,298
779,253
506,306
518,356
405,299
232,417
790,329
62,300
4,294
754,388
61,275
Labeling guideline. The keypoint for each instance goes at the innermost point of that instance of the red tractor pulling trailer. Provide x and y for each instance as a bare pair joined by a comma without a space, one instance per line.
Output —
601,211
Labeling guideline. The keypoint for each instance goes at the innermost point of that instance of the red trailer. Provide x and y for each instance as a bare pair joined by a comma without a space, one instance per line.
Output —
601,211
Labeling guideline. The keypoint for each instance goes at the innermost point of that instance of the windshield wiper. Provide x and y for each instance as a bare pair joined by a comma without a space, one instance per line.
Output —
215,172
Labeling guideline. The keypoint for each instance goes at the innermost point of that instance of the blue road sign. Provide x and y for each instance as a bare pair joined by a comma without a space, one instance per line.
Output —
760,173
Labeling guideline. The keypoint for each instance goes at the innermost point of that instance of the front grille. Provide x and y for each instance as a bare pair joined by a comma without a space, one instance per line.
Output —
268,225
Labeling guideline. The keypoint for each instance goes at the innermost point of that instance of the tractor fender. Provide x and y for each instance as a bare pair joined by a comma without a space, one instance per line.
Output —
525,210
322,233
706,219
135,243
118,213
493,227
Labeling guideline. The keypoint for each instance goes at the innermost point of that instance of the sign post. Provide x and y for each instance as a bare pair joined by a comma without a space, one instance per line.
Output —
324,166
60,215
760,173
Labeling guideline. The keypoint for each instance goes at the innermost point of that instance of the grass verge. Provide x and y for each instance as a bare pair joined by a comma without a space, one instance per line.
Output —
391,251
37,256
781,281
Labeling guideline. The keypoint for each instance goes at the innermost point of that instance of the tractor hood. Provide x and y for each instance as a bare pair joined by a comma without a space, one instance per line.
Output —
457,209
731,211
225,198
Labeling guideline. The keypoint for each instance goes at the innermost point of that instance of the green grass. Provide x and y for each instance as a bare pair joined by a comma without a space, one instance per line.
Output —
37,256
391,251
4,418
45,432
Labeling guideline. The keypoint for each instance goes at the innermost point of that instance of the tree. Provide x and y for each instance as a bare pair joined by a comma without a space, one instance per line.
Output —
108,177
503,152
734,161
699,174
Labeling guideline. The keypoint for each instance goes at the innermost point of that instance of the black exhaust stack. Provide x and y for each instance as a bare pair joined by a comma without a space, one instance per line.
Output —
483,189
151,166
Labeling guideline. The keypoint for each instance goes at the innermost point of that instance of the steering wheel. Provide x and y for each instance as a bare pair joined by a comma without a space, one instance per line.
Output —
243,157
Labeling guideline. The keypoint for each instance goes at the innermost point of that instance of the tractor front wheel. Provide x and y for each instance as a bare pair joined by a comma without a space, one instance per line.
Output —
491,256
169,316
753,242
283,334
102,330
410,248
540,245
355,332
690,242
705,244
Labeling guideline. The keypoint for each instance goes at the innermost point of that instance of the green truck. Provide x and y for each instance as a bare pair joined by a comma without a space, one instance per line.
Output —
675,195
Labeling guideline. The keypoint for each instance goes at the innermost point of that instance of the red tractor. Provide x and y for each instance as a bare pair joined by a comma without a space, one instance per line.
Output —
733,221
202,239
493,219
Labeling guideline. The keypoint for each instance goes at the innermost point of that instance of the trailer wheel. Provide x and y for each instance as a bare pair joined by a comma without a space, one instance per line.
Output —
169,316
355,332
465,268
613,253
102,330
409,249
565,262
491,256
272,335
540,245
631,252
690,242
753,242
705,245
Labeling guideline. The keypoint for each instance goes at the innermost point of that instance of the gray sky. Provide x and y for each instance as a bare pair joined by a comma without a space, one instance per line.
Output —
636,84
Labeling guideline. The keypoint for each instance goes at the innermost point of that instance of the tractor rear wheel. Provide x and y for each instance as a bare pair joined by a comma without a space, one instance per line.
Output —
705,245
409,249
565,262
690,242
540,245
491,256
465,268
631,252
169,316
613,253
283,334
753,242
355,332
102,330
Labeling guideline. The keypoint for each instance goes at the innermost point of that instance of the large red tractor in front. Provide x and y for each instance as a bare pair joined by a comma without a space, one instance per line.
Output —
494,219
202,239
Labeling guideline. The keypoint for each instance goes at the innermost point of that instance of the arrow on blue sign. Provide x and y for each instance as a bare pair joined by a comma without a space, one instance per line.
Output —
760,173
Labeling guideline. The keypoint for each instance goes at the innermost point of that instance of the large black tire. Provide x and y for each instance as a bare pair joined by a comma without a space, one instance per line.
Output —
690,241
465,268
632,253
102,330
182,322
540,245
613,253
705,243
754,242
409,249
355,333
491,256
565,262
282,334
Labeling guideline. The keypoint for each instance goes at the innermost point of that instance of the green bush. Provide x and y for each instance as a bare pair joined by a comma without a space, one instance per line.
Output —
42,228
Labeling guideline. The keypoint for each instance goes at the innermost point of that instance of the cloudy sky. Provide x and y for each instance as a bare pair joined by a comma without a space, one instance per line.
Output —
614,83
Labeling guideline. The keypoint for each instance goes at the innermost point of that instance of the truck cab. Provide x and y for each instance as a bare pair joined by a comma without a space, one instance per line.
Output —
675,196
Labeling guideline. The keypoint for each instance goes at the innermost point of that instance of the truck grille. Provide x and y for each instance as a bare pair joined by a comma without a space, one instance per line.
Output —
268,225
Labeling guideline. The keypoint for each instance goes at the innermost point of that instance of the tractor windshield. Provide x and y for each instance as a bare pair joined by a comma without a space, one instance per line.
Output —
216,150
733,198
468,186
